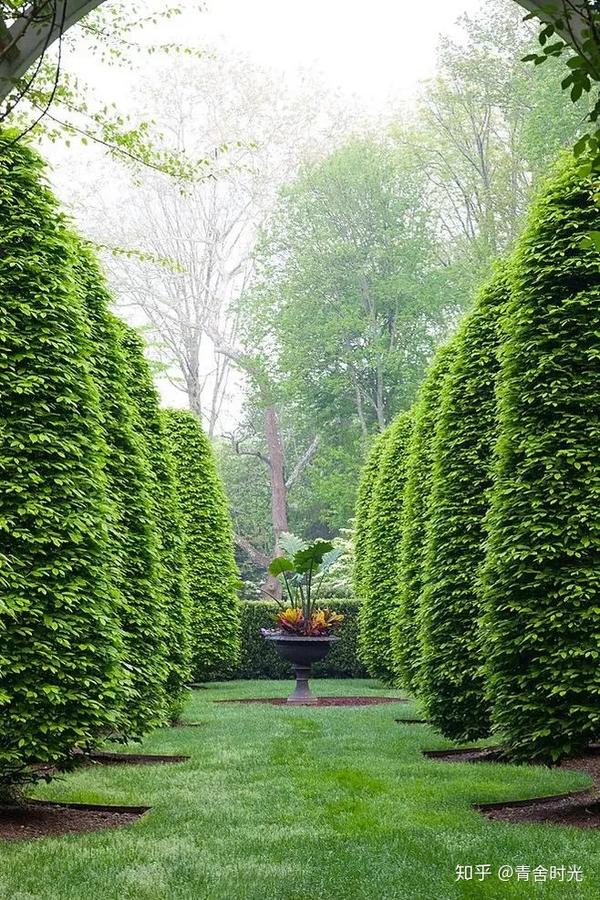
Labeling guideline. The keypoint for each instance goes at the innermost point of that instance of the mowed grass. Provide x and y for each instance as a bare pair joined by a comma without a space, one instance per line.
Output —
299,804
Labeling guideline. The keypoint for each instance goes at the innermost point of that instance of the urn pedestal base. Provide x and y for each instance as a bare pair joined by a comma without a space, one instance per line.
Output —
302,652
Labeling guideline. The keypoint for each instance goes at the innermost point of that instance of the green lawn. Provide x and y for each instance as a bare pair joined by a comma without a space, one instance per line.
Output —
299,804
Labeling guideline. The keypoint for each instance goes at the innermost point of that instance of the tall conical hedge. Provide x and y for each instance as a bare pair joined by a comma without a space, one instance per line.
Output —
452,680
172,613
208,543
134,547
405,627
361,519
60,676
382,552
542,574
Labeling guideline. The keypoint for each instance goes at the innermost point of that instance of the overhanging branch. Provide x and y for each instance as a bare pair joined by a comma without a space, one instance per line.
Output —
29,36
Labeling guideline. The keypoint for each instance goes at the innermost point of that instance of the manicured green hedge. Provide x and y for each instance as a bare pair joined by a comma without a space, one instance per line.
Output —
452,678
133,546
542,574
361,519
405,640
171,617
259,659
61,682
384,534
208,545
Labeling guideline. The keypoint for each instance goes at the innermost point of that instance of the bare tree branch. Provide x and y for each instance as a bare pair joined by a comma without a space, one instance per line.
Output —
303,462
257,556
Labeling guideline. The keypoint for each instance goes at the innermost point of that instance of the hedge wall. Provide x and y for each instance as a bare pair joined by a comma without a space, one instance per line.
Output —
171,618
208,545
259,659
542,574
60,676
384,534
452,680
361,518
133,546
406,652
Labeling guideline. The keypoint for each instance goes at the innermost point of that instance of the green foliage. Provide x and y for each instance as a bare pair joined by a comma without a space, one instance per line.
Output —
542,575
452,681
406,653
60,677
347,304
208,546
482,140
363,509
338,581
302,567
384,535
133,549
169,610
583,65
52,103
259,659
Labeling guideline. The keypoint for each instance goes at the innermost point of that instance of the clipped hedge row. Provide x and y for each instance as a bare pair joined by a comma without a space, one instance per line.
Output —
171,617
94,601
259,659
363,510
133,547
208,547
61,678
452,676
499,620
381,581
406,650
542,575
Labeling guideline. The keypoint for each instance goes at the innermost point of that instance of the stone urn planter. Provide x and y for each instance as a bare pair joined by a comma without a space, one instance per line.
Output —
302,651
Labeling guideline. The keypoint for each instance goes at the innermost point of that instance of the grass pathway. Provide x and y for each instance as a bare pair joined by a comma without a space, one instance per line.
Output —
300,804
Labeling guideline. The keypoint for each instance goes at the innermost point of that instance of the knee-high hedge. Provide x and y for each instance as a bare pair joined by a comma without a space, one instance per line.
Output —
208,542
61,680
171,623
542,574
384,533
405,627
363,509
452,677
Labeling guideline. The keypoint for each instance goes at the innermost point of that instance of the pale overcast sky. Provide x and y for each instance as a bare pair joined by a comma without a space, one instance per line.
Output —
372,49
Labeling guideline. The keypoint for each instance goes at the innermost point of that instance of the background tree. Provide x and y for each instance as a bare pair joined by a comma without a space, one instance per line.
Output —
187,272
487,127
347,304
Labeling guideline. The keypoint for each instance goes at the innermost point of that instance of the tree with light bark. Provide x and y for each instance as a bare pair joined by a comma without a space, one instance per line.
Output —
487,126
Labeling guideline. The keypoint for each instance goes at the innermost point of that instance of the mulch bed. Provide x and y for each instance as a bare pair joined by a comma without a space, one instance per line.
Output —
41,818
413,721
322,701
110,758
181,724
579,809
